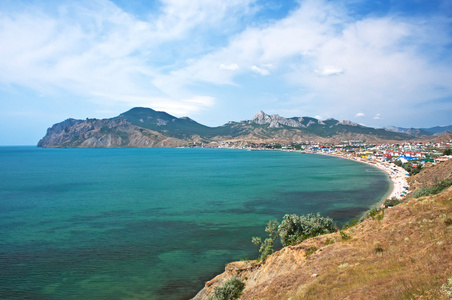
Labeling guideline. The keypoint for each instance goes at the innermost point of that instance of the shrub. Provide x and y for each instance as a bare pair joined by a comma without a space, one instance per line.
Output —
434,189
329,241
375,212
294,229
231,289
380,216
345,236
310,251
377,247
446,288
448,221
422,192
266,247
351,224
441,186
391,202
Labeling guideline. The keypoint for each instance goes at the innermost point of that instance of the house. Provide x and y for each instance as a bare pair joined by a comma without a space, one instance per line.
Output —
442,158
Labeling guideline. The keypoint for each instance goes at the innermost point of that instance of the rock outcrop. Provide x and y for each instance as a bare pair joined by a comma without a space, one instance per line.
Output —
108,133
276,121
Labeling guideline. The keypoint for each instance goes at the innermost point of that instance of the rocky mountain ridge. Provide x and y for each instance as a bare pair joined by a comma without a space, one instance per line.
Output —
433,131
144,127
108,133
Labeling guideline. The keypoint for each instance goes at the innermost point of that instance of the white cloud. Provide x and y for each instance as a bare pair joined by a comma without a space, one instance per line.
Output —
97,51
231,67
372,55
360,115
260,71
93,48
377,117
179,107
329,71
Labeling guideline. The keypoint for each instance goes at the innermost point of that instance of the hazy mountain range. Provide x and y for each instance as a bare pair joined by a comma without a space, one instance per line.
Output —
145,127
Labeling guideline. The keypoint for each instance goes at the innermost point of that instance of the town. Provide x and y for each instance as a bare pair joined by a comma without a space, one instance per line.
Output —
412,156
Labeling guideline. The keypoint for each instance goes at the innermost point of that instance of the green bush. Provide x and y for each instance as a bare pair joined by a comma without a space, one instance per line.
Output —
422,192
351,224
329,241
391,202
375,212
434,189
380,216
294,229
231,289
441,186
266,247
310,251
344,236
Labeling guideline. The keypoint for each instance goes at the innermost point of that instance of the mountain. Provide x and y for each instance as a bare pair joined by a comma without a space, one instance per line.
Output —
145,127
107,133
417,132
164,123
439,130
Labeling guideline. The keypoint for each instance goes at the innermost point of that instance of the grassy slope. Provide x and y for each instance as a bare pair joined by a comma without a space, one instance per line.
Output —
404,253
415,261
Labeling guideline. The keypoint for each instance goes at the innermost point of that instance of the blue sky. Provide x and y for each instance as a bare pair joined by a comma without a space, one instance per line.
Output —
377,63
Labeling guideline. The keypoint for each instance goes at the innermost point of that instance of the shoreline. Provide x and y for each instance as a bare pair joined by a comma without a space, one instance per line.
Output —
397,175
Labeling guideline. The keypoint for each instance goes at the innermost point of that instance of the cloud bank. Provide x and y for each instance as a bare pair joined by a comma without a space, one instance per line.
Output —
195,57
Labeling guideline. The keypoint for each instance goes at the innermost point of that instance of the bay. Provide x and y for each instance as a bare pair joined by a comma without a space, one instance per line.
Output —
155,223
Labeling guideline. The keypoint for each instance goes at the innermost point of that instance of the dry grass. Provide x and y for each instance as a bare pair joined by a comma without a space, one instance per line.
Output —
416,256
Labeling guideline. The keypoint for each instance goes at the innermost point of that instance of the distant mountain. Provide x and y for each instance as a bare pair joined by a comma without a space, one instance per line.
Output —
417,132
145,127
439,130
164,123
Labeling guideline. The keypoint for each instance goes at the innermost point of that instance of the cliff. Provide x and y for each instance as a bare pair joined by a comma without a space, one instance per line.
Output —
109,133
404,252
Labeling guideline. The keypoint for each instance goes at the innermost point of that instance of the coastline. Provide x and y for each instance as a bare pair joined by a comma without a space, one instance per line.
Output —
397,175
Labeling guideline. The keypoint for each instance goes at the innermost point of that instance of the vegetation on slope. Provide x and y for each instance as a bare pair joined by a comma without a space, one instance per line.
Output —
292,230
230,290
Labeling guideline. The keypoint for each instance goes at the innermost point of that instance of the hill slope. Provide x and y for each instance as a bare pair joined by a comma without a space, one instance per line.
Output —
144,127
109,133
403,253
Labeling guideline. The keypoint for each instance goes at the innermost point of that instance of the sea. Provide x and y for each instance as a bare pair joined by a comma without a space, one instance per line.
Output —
156,223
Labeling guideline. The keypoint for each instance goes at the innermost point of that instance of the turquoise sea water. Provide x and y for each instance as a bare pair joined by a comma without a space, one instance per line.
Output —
155,223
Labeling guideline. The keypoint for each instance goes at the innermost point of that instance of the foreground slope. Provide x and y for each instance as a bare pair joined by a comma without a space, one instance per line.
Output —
405,252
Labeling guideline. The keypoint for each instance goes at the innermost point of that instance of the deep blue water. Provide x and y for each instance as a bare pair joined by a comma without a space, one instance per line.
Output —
155,223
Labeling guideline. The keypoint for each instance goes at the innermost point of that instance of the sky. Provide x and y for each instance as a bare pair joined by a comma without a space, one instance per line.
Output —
377,63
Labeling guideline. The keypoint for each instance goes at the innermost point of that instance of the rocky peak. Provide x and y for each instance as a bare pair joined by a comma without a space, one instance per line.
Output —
275,121
261,118
349,123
